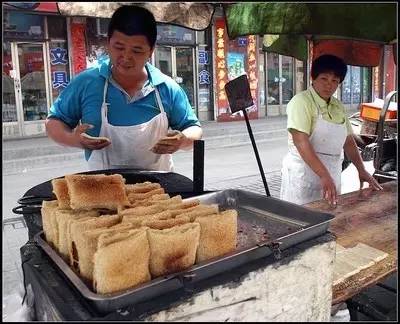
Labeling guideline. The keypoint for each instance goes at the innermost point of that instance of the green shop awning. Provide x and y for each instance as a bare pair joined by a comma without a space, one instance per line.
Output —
354,31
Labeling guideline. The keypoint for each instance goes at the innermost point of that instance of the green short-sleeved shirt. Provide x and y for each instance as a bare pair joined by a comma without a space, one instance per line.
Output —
302,112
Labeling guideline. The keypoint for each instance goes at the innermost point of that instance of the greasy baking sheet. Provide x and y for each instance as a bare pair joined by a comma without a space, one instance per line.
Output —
265,226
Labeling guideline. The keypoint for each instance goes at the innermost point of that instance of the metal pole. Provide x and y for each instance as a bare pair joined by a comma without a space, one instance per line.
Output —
256,153
198,166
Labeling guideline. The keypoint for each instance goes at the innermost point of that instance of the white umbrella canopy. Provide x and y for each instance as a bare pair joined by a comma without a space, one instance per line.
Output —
192,15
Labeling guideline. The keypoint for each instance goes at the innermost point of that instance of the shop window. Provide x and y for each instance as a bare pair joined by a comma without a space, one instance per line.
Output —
366,88
273,78
261,77
21,26
356,87
287,79
204,37
96,40
57,27
9,108
102,26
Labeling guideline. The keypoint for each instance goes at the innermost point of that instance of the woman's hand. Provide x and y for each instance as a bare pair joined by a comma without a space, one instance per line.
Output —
366,177
329,192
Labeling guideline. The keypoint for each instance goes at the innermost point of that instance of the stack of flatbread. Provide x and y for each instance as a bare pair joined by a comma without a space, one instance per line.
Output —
116,235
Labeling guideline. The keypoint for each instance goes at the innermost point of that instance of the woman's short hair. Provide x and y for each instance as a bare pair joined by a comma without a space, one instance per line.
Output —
134,20
328,63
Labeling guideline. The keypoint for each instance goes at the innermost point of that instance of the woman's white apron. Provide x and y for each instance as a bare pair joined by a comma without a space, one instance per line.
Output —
130,145
300,184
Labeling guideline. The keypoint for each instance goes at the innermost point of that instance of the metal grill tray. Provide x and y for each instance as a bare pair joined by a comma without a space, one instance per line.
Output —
286,224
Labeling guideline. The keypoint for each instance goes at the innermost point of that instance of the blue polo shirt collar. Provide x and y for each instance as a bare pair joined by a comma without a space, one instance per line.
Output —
156,77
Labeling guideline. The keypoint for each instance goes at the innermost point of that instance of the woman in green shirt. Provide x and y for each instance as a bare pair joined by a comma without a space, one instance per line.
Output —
319,131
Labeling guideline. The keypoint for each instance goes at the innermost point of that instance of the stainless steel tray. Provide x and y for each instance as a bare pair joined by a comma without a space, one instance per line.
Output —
285,225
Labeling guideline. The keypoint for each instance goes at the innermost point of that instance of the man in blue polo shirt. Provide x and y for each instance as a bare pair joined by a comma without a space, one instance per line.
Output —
125,112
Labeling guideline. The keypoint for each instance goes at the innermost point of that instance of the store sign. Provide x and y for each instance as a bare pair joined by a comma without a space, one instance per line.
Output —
222,77
242,41
252,66
60,79
58,56
204,77
174,35
33,6
203,57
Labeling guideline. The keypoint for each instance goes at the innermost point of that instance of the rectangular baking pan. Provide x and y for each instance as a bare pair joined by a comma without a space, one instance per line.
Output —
285,225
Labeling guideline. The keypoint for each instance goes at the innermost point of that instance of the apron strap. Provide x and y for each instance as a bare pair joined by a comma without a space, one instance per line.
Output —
105,104
158,100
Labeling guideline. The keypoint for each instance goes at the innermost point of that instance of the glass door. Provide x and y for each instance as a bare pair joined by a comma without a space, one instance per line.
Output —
34,84
9,111
178,63
185,71
280,81
163,60
31,86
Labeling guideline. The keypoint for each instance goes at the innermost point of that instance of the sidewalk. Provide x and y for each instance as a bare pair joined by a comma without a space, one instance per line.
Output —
29,153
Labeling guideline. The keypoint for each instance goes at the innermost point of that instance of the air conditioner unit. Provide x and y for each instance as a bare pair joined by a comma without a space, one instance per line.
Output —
102,26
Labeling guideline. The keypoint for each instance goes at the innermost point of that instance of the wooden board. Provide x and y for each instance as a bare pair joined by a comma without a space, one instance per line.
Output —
369,217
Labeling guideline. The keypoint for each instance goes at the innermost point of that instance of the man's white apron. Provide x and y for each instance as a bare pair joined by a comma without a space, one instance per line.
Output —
130,145
300,184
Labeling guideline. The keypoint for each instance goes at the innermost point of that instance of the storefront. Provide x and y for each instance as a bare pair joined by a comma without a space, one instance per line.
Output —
184,55
280,78
39,61
35,68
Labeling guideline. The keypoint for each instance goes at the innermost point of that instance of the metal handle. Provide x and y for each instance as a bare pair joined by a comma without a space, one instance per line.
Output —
253,143
32,200
22,210
380,130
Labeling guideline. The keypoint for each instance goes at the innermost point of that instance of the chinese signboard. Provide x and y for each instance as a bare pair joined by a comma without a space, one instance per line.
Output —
59,67
234,58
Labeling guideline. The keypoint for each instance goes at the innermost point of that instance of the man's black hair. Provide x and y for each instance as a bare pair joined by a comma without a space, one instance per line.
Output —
134,20
329,63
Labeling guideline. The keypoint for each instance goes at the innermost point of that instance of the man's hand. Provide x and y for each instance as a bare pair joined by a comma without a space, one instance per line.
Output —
170,143
88,142
364,176
329,192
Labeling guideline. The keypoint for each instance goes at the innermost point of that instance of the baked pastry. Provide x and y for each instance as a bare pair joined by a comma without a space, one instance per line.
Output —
217,235
173,249
64,216
60,189
141,187
196,211
135,196
77,228
161,224
96,191
129,266
48,213
86,246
